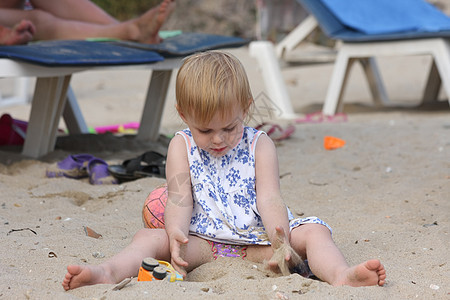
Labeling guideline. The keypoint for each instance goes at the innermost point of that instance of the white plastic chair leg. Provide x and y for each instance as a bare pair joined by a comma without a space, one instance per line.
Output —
337,84
46,110
433,85
73,117
373,76
154,105
441,56
264,53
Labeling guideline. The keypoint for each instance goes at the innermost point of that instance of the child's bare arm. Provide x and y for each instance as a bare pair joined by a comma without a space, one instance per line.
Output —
268,195
178,210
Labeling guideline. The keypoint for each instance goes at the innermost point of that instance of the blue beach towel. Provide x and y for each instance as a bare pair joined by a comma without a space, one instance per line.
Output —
78,53
388,16
187,43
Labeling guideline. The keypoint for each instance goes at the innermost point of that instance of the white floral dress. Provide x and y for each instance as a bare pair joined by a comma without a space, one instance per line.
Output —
224,193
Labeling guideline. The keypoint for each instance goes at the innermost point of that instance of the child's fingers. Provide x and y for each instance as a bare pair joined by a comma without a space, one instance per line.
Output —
176,252
179,264
287,256
180,237
179,261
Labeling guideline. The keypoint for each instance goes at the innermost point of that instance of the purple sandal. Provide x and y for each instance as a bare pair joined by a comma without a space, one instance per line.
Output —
97,170
73,166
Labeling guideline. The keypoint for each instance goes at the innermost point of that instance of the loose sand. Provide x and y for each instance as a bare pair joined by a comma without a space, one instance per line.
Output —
385,193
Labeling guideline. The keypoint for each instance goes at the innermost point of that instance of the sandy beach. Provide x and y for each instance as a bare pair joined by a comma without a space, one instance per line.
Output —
385,193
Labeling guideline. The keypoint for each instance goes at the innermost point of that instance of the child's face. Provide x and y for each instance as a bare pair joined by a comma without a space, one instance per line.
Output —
220,135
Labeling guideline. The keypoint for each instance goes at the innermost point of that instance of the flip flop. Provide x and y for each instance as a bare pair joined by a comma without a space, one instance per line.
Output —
97,170
73,166
319,117
149,164
276,132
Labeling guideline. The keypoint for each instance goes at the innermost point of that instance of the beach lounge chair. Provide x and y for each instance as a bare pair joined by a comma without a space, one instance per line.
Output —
53,63
368,29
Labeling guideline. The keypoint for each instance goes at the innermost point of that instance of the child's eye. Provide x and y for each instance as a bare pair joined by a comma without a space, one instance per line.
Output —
230,129
205,131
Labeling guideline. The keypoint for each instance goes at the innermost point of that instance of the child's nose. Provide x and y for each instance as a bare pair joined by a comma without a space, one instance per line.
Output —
217,138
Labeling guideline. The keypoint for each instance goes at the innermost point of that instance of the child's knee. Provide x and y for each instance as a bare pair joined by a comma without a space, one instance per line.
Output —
312,229
146,233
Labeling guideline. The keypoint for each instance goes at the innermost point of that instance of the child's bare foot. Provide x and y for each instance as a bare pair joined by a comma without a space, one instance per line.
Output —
371,272
22,33
147,26
78,276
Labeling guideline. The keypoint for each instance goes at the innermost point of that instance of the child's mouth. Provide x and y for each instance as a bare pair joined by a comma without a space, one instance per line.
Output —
218,150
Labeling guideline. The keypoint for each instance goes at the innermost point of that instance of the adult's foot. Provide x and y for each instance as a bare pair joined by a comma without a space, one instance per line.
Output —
371,272
78,276
21,33
145,28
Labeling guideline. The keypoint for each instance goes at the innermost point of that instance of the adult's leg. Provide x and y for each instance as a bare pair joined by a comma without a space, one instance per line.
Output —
143,29
16,4
76,10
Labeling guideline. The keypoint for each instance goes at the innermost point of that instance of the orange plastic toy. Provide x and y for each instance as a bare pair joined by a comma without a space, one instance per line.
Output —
331,142
152,269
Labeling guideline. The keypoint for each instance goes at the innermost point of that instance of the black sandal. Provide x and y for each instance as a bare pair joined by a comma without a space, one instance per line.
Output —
149,164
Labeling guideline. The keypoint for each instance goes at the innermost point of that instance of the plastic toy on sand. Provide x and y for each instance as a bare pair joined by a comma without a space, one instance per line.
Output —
152,269
131,127
331,143
12,132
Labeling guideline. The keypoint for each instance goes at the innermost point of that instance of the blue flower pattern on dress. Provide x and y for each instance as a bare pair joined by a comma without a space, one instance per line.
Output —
233,177
224,193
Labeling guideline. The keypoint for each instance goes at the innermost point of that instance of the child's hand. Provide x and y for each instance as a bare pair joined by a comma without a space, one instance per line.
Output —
284,257
280,239
177,241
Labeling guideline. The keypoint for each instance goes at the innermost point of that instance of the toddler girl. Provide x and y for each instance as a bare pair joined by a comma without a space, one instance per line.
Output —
224,194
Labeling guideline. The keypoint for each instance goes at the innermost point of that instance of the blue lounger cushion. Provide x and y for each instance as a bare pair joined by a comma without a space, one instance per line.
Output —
389,16
188,43
78,53
380,20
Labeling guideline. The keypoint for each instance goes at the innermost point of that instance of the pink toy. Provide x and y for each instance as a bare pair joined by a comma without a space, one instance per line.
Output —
12,132
118,128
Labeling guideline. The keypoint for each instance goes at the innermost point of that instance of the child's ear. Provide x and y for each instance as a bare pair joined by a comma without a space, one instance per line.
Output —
250,102
180,113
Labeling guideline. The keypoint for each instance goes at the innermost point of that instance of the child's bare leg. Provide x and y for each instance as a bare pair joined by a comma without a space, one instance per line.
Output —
314,242
146,243
21,33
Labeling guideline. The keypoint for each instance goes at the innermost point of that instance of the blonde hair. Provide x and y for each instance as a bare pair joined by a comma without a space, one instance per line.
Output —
209,83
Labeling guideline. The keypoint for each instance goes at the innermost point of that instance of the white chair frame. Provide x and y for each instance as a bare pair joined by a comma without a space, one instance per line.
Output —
52,91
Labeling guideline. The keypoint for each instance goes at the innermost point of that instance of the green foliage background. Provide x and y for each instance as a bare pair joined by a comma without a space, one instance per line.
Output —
126,9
